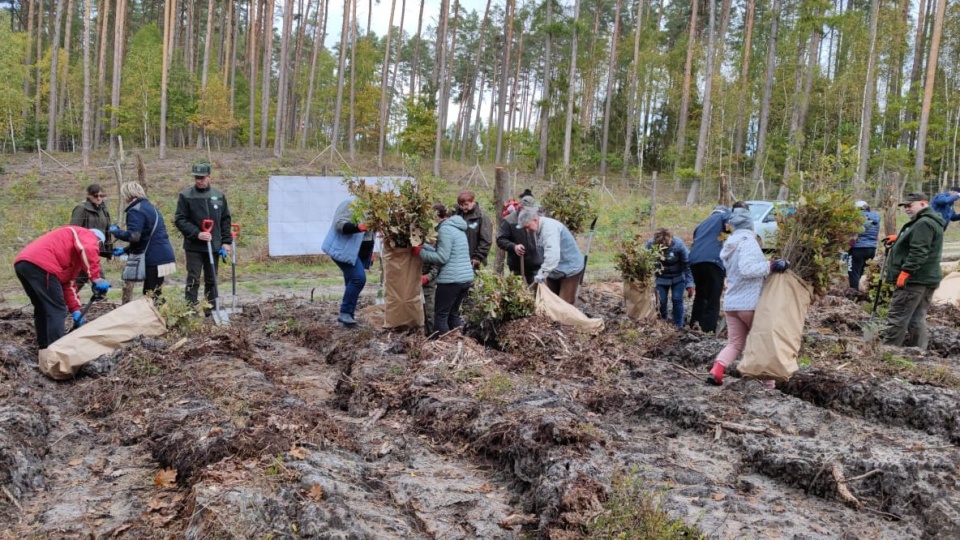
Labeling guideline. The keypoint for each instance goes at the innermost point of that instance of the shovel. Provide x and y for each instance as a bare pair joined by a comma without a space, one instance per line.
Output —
234,233
97,295
219,317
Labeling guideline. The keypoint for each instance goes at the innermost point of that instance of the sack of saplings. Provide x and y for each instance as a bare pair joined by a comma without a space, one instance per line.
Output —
638,266
773,343
401,211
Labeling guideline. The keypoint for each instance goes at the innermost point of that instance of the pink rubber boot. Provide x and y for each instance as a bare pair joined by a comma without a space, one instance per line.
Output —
716,374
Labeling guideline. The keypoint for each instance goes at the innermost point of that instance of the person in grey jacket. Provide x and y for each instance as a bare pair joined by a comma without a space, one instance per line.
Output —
452,254
562,261
746,268
350,245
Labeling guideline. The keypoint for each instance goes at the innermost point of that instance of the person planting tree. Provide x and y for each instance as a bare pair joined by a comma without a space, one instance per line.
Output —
673,273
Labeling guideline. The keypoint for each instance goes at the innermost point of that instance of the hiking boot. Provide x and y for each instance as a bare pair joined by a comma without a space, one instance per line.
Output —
347,320
716,374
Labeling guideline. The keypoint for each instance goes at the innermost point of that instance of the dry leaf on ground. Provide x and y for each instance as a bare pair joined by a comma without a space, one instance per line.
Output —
166,478
298,452
316,493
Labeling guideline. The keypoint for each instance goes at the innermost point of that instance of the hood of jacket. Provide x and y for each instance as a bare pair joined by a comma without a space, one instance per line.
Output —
454,221
733,243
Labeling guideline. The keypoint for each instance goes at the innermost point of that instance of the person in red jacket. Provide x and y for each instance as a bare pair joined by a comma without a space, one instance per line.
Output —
48,268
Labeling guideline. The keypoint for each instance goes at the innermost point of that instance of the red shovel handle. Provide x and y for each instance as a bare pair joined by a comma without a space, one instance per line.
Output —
234,230
206,225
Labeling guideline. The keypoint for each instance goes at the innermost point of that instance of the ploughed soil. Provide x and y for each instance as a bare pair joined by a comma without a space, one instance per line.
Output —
284,424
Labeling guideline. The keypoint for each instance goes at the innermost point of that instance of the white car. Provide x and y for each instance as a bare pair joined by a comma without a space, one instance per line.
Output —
764,215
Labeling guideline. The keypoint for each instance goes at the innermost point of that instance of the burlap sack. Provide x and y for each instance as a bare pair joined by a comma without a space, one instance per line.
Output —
103,335
548,304
774,341
641,300
949,290
401,288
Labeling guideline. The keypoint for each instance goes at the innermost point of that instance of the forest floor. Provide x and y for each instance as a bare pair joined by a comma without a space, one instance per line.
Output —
284,424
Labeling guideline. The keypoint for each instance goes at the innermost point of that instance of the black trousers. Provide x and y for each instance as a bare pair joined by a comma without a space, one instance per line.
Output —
858,261
450,297
153,284
197,262
46,295
708,279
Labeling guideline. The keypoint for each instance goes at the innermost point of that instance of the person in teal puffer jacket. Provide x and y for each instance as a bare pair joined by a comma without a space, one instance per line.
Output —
452,254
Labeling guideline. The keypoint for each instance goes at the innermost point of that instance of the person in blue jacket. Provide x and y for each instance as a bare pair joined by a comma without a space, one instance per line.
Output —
452,255
673,273
147,233
350,245
864,247
707,269
943,204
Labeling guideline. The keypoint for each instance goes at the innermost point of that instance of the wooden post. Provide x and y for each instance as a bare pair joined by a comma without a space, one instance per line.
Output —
500,196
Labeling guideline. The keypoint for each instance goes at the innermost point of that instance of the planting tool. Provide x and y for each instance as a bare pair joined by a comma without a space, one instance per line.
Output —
593,226
234,233
97,296
219,317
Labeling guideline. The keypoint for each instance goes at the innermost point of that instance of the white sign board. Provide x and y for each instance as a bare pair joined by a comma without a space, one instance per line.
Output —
300,211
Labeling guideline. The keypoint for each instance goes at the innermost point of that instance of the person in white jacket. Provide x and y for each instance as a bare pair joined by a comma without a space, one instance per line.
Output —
562,261
746,269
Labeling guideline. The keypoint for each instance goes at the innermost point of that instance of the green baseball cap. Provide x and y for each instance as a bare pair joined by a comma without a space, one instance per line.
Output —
201,168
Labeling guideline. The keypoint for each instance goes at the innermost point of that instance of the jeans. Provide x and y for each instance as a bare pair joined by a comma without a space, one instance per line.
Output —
858,261
46,295
354,279
675,292
708,279
908,311
197,262
446,307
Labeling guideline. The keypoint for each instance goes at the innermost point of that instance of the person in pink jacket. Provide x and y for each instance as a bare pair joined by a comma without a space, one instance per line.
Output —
48,268
746,269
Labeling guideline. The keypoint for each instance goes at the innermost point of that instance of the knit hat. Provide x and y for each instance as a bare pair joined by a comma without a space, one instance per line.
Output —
99,234
510,208
862,205
528,201
741,219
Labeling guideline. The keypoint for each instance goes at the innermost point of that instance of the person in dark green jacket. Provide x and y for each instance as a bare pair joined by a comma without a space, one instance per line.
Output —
93,214
196,204
915,270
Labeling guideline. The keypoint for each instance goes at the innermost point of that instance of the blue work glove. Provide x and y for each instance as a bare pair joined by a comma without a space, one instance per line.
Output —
223,253
119,251
101,286
779,265
78,318
112,229
539,278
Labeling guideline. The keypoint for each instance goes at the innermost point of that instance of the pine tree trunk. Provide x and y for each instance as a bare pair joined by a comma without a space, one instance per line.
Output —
761,153
415,68
385,89
707,108
281,113
909,115
267,74
545,97
86,129
317,44
571,87
869,90
119,31
39,76
252,32
395,84
352,127
204,74
104,17
504,75
632,96
743,114
28,59
441,68
65,69
54,65
687,76
611,78
169,15
928,89
338,108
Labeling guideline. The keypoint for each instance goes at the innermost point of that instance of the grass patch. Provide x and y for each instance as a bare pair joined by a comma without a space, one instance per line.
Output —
635,512
495,388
